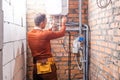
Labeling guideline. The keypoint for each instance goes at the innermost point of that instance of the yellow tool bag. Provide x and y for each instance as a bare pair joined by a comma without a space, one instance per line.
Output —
45,68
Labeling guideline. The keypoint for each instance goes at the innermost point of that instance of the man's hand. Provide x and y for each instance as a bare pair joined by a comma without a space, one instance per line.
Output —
64,20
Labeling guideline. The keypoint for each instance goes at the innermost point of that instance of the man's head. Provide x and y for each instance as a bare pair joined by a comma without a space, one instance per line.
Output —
40,20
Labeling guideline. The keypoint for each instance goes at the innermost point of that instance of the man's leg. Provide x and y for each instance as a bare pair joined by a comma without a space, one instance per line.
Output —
35,75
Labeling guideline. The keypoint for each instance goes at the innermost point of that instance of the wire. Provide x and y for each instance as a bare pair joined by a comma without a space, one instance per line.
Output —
106,3
64,44
80,61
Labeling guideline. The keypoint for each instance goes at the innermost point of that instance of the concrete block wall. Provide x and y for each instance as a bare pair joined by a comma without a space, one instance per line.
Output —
14,40
1,28
105,41
1,37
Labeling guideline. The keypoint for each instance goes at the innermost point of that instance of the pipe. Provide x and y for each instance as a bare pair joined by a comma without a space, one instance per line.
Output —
69,57
80,26
85,50
84,61
80,16
87,55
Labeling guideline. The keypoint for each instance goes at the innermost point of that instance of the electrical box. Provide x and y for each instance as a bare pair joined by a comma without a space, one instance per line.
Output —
1,28
56,7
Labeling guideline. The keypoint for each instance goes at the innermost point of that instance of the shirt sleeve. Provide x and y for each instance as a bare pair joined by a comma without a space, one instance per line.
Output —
55,34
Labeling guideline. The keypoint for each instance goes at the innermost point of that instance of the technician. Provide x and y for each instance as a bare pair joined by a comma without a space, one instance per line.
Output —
39,43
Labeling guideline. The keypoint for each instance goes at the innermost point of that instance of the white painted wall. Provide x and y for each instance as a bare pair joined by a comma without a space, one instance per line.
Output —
14,40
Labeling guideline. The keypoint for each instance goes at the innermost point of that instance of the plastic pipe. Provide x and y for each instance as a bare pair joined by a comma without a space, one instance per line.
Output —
87,55
80,16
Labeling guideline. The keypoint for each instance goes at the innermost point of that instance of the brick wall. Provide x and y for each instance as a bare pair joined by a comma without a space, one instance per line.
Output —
14,40
58,51
105,41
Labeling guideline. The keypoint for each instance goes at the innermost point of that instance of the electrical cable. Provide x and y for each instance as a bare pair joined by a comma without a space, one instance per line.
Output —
80,55
100,5
65,38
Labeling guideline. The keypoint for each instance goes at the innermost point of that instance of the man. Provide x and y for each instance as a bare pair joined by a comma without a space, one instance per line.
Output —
39,43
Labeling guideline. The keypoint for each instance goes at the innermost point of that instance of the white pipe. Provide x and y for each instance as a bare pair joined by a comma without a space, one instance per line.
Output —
80,16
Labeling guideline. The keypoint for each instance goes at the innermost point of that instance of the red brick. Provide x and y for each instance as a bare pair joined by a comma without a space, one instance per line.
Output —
107,50
64,59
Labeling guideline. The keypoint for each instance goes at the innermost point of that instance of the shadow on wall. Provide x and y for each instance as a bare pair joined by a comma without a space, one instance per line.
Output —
19,66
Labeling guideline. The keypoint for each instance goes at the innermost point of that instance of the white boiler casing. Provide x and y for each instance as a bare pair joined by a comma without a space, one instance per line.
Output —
57,7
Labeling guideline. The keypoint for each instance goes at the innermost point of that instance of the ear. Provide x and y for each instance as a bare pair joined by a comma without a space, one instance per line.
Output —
42,23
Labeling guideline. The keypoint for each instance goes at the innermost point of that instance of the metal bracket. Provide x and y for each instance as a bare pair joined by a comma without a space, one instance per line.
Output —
83,61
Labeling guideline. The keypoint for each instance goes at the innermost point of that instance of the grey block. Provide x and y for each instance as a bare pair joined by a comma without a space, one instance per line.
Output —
1,29
0,4
1,71
1,39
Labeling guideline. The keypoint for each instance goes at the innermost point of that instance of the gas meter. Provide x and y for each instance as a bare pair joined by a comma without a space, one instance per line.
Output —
77,44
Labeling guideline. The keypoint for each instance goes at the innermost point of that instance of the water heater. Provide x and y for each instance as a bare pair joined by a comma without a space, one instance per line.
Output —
57,7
